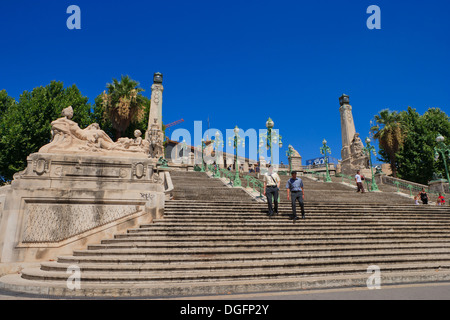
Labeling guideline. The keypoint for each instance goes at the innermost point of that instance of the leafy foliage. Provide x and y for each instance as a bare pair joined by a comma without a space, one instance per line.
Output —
390,133
25,126
123,104
414,159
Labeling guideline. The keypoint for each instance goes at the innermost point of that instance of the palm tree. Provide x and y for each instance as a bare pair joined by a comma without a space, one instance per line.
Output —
389,132
123,104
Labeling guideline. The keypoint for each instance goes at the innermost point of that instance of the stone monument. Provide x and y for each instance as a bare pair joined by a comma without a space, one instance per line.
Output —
81,187
155,134
295,160
353,157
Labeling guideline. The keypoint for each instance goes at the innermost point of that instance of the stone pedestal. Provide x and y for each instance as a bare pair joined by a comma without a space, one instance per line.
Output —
64,202
296,163
440,185
379,178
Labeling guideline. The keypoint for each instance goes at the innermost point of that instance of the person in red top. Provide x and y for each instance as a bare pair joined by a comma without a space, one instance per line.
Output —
441,200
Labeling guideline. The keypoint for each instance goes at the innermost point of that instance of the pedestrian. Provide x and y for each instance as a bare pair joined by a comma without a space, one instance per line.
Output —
416,200
296,192
271,188
359,178
440,200
423,196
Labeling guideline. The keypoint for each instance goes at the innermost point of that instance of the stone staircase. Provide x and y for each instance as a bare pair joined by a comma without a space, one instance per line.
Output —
336,192
216,240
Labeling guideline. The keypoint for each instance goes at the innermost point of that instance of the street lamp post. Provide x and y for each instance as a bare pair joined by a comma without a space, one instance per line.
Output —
271,138
367,150
237,141
218,143
444,150
324,150
289,154
203,149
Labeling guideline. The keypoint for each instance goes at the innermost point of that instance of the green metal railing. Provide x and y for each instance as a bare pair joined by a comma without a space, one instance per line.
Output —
413,189
319,176
229,175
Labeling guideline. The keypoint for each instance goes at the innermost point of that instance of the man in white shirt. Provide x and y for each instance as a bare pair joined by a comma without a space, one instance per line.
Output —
271,187
359,183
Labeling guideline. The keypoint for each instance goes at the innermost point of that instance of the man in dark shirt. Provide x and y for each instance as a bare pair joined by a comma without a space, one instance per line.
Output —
295,191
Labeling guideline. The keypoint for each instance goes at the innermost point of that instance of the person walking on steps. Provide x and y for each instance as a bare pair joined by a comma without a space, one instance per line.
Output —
271,187
359,178
296,192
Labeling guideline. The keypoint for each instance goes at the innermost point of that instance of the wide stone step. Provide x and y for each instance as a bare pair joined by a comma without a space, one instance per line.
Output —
176,217
255,266
200,259
282,233
192,288
232,227
303,247
221,217
219,243
150,236
211,275
312,205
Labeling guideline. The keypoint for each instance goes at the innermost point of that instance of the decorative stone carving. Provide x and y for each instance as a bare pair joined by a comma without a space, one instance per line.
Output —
68,137
40,166
57,222
155,138
139,170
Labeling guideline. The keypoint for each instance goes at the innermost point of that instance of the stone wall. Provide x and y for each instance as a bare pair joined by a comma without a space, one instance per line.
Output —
64,202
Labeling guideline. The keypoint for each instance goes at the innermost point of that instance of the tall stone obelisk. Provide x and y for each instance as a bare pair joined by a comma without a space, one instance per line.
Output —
154,132
353,157
347,125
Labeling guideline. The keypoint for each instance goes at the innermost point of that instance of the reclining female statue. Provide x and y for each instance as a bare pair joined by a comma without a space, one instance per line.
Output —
68,136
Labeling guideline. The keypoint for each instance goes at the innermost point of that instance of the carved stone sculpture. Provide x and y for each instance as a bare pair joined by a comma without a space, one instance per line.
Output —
67,136
155,139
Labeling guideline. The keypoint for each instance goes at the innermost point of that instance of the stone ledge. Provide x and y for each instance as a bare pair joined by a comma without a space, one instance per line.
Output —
15,283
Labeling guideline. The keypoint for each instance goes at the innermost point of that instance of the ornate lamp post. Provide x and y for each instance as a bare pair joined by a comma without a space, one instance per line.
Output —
444,150
367,150
324,150
218,143
237,141
270,138
289,154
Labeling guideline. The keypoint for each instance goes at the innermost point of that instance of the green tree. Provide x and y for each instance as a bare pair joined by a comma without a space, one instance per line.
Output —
5,102
414,159
390,135
105,123
123,104
26,126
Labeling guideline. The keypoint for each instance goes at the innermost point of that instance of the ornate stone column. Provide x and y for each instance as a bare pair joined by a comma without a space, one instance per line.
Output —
353,157
154,132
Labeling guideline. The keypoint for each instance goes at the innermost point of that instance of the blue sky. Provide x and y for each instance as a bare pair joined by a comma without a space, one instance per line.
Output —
239,62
